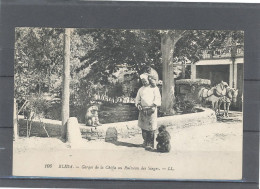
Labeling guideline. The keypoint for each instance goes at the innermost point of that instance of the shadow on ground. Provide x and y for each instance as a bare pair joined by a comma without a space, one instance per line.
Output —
131,145
233,117
127,144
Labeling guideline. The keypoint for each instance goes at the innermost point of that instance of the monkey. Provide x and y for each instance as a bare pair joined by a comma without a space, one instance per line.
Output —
163,139
28,113
91,117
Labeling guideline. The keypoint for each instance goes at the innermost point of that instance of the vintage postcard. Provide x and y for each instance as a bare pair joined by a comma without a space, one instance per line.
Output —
128,104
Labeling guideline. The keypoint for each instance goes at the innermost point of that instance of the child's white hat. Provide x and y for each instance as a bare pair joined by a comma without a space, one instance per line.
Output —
144,76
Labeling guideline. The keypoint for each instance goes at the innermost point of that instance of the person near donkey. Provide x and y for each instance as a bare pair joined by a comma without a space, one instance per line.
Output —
147,100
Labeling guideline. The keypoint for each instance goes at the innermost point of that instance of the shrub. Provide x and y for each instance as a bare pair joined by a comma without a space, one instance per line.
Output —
185,106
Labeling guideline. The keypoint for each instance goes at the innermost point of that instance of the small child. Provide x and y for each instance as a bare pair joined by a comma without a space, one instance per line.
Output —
152,80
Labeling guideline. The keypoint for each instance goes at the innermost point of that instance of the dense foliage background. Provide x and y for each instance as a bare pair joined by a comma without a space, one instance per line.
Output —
97,59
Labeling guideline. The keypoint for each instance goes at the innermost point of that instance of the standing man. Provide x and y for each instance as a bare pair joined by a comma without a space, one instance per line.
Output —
147,99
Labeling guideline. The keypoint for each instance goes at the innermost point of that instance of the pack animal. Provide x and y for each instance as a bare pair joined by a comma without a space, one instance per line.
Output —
91,117
231,96
163,138
213,95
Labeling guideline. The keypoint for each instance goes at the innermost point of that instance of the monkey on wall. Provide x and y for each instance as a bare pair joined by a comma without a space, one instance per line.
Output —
163,139
91,117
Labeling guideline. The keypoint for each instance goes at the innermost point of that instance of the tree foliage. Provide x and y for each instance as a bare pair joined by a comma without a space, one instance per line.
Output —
117,48
38,58
191,46
98,54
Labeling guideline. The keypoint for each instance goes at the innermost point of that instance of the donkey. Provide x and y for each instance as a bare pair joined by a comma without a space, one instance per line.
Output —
231,96
213,95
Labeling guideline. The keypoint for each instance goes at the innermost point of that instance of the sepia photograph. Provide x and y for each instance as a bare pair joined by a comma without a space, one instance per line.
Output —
128,103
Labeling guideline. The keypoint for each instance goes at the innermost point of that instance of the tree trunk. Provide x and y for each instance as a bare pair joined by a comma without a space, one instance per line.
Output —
183,74
66,82
167,47
168,41
15,119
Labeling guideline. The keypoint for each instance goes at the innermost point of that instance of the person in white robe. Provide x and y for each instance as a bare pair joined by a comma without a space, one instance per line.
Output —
147,100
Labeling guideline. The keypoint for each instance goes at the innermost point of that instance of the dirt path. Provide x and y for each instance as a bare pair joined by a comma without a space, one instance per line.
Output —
202,152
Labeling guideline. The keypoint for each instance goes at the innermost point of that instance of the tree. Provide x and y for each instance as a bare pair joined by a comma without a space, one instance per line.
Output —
114,48
97,54
15,119
66,82
38,57
177,48
105,53
134,48
168,42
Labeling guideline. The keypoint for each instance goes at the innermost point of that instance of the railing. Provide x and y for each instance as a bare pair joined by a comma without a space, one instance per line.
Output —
123,99
222,53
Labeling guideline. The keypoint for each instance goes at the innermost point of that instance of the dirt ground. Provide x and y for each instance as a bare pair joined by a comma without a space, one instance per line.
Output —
199,152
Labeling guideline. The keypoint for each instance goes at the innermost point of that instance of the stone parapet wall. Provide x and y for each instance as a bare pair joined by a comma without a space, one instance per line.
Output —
188,89
124,129
130,128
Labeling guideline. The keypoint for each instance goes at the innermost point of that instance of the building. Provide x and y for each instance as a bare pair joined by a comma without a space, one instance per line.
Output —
220,66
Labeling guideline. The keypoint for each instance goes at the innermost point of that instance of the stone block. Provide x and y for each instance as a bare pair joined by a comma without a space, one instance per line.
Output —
73,133
111,135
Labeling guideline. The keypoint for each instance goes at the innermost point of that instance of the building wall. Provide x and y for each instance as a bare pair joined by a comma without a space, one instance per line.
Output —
215,73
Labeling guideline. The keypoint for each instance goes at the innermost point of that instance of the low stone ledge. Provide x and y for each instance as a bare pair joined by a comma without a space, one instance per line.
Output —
193,119
130,128
124,129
